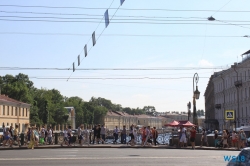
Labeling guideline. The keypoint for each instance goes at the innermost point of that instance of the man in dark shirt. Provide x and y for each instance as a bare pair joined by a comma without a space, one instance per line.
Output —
123,135
95,134
192,137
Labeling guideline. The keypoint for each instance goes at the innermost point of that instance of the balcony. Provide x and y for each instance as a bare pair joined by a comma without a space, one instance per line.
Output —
238,83
218,106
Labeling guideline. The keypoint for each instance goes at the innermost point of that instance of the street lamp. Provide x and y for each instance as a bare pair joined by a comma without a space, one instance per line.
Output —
196,95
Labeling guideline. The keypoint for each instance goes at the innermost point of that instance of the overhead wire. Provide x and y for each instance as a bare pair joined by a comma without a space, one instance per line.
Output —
120,35
149,9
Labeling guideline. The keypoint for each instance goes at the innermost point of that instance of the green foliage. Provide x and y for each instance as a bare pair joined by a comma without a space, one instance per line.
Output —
47,106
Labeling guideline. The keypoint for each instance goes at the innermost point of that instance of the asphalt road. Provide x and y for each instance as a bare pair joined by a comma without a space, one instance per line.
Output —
114,157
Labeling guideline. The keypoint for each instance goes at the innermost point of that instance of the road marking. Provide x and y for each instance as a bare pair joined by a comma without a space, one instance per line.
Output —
105,158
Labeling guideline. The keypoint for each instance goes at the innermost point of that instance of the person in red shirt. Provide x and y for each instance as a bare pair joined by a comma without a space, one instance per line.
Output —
192,137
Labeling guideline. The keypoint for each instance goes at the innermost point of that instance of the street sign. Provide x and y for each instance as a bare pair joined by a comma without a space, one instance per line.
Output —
122,2
106,15
229,114
93,38
85,50
79,60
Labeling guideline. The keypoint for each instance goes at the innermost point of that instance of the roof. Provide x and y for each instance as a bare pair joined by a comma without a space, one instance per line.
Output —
5,98
248,52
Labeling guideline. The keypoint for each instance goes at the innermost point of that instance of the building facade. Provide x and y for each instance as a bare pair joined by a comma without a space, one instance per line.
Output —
210,121
120,119
13,112
232,92
179,116
72,117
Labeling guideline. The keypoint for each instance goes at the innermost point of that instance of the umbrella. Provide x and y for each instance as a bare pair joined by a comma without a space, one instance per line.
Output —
188,124
173,124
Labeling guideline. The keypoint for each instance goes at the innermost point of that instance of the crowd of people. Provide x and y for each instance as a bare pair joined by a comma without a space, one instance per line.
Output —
97,135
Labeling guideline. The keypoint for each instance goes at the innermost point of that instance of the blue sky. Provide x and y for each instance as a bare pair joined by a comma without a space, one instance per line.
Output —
60,51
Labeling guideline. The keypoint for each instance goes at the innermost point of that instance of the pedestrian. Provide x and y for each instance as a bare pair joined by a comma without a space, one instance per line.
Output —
123,135
132,137
95,134
65,137
228,138
81,135
69,135
192,137
103,134
116,132
49,136
144,136
98,136
149,136
224,137
32,139
42,135
216,138
204,137
234,139
155,136
242,139
183,139
16,136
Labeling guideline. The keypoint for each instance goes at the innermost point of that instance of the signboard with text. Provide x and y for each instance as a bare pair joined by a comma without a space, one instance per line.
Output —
229,115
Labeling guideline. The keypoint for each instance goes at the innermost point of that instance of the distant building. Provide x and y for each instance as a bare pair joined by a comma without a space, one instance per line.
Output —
13,112
120,119
72,117
178,116
201,121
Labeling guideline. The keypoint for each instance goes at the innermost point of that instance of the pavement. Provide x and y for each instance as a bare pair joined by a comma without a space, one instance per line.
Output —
114,157
117,146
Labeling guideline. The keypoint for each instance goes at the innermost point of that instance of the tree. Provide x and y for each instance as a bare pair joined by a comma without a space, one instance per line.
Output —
150,110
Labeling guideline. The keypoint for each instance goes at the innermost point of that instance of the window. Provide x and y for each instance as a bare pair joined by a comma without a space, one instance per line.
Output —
23,111
3,109
245,75
26,112
12,110
242,112
7,124
15,111
246,92
19,113
8,110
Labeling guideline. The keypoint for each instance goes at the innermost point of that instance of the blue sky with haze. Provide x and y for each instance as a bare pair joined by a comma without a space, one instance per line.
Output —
60,51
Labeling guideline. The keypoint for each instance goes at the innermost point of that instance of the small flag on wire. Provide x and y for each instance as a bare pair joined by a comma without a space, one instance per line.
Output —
106,15
122,2
85,50
74,67
93,38
79,60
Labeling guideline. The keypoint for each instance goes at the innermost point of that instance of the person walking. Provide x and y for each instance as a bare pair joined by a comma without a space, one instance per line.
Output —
103,134
132,137
32,139
123,135
95,134
224,137
98,136
204,137
69,135
242,139
65,137
16,137
183,139
155,136
192,137
234,139
116,132
216,138
49,136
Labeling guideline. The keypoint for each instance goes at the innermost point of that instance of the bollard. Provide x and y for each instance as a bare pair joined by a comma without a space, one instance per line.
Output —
56,138
22,139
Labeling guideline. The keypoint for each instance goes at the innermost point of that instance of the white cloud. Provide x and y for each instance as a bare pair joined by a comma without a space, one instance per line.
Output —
205,63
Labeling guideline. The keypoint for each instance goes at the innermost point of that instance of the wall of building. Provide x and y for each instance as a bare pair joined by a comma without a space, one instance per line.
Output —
12,114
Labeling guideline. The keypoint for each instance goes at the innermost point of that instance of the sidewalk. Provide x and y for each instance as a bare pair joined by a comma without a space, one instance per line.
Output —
114,146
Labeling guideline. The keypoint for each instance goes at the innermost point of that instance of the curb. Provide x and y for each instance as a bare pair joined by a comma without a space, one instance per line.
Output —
118,147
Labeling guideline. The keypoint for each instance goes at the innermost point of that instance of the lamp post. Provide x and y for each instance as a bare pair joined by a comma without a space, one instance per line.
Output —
189,107
196,95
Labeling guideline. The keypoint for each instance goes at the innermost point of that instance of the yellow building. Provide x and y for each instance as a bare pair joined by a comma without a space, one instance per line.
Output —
14,112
